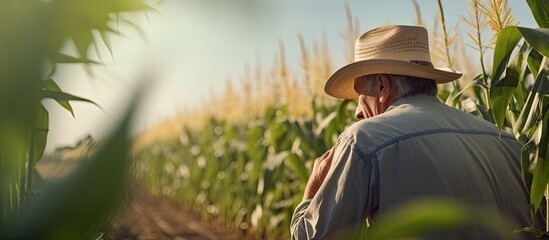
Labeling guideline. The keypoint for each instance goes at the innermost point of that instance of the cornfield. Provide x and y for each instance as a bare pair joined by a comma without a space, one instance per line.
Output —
247,165
249,172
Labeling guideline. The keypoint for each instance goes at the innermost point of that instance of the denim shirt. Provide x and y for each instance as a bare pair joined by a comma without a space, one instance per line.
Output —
418,148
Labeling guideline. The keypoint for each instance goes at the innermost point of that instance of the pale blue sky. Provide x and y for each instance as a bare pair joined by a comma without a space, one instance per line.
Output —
193,46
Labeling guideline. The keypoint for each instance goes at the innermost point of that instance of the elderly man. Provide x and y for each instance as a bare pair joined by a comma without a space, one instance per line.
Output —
409,146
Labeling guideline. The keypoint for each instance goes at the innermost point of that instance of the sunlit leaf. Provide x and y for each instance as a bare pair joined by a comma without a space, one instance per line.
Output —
303,129
502,89
529,115
63,96
52,86
507,40
534,62
298,166
454,96
541,172
275,134
343,112
540,11
433,216
443,95
325,123
273,162
331,134
537,38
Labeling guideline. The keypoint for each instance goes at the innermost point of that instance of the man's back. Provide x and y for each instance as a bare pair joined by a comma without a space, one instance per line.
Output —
419,148
422,148
407,148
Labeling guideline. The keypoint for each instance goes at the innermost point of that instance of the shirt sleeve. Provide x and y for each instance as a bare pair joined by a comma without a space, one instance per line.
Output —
344,200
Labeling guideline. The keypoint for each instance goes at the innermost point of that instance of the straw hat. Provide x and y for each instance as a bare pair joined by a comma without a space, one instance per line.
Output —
394,49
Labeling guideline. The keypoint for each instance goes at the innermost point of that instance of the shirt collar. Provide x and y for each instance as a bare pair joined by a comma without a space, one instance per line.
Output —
411,100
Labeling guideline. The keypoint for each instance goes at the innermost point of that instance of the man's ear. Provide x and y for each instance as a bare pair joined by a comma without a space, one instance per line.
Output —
385,87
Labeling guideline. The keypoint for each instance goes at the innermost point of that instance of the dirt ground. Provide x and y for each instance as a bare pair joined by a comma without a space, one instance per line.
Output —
146,216
150,217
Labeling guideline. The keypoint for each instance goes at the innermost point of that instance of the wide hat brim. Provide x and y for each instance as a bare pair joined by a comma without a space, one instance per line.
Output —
341,83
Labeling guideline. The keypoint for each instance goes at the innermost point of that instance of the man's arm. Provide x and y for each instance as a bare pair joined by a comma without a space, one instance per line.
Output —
343,199
320,170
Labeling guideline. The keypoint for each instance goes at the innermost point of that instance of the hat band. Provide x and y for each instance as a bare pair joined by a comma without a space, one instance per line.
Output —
422,63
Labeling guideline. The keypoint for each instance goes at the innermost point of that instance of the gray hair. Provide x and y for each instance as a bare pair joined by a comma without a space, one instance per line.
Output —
404,85
401,85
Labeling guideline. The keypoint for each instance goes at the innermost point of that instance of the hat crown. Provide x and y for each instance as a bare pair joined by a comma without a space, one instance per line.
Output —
397,50
396,42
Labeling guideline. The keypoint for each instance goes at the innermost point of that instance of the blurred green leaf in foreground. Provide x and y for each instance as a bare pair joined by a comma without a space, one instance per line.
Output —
33,34
75,206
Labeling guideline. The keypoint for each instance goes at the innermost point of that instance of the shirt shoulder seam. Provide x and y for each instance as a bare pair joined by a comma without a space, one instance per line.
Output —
364,157
437,131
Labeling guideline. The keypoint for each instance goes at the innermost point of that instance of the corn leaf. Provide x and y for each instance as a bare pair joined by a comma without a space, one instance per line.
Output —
534,62
13,151
508,39
435,216
541,173
271,165
40,135
73,207
529,114
298,166
540,11
325,123
533,232
330,134
525,166
537,38
52,86
343,112
63,96
502,89
303,130
454,97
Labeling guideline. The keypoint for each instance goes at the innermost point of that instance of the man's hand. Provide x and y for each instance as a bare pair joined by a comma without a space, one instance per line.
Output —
320,170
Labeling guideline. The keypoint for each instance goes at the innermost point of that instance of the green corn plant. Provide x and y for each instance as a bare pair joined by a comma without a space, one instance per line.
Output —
34,32
77,206
415,219
251,175
517,101
262,165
